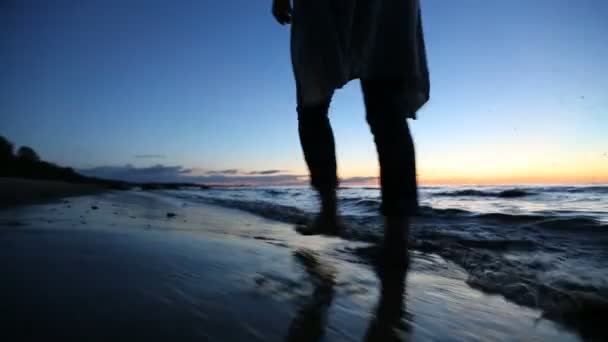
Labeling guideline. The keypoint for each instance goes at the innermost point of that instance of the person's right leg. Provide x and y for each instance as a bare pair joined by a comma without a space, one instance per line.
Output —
317,140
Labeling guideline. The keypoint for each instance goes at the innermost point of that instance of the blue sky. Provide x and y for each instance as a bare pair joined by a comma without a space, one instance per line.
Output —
519,89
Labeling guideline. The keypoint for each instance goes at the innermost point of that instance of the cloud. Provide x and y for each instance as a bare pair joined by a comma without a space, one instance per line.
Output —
242,172
223,172
149,156
287,179
179,174
162,173
139,174
358,180
264,172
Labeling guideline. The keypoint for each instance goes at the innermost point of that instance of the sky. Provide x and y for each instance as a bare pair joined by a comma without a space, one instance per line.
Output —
204,91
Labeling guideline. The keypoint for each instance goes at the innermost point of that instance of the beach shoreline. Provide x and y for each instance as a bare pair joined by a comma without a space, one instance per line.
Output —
116,265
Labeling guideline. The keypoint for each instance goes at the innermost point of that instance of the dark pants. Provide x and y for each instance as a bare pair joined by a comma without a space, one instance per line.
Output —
394,145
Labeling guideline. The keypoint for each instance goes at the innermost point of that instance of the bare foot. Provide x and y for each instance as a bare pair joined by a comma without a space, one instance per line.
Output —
395,249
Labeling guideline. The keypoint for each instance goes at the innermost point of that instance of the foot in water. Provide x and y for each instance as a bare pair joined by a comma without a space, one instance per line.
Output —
395,248
322,225
326,223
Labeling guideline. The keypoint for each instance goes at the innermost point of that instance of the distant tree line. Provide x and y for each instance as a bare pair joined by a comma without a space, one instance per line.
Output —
26,163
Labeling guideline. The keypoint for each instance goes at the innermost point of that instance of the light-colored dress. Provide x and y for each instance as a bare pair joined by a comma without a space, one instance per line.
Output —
335,41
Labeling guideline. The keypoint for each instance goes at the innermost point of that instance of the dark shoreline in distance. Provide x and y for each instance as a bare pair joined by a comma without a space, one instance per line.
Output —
17,191
25,178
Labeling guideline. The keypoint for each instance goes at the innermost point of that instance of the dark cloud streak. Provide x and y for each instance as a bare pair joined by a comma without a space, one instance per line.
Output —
162,173
264,172
357,180
223,172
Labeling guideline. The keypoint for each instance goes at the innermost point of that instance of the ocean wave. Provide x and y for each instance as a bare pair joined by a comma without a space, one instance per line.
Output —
509,193
272,192
290,214
546,221
512,218
569,300
455,213
565,303
427,211
268,210
578,224
358,228
575,224
361,202
601,189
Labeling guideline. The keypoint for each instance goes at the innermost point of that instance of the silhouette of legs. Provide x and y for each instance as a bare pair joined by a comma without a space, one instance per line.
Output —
396,156
317,140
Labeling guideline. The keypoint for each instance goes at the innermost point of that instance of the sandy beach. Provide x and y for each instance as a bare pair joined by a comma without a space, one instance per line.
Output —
137,265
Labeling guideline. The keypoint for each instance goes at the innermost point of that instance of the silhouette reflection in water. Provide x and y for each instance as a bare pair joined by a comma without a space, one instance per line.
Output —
309,323
387,323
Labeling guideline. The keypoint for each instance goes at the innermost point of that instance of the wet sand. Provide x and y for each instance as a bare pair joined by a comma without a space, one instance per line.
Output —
135,266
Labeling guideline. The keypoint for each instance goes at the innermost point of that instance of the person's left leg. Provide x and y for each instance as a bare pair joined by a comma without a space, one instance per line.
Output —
396,156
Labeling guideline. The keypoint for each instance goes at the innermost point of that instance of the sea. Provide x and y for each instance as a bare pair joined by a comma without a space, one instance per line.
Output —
540,246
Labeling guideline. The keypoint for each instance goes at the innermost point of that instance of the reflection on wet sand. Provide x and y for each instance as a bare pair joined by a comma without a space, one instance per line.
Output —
311,319
387,322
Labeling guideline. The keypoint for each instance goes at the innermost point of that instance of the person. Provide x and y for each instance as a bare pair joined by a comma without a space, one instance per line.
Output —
381,43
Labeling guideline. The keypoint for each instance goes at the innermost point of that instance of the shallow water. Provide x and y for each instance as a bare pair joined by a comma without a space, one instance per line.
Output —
126,270
541,246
